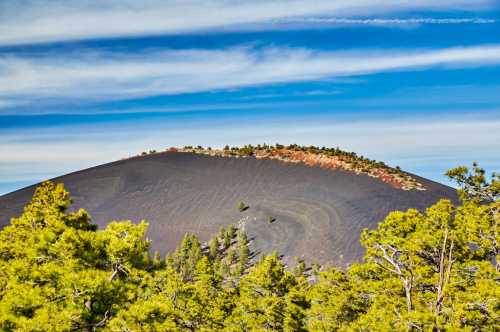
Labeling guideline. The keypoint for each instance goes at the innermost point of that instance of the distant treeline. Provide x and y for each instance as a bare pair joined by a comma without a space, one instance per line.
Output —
436,270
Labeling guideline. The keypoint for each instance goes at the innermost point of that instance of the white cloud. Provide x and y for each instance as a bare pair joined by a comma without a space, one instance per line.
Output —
386,21
309,93
426,145
120,76
30,21
8,103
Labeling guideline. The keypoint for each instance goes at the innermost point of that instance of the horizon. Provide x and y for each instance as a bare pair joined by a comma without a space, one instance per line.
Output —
83,84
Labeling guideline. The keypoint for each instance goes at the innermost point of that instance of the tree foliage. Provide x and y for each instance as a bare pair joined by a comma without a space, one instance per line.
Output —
432,270
474,183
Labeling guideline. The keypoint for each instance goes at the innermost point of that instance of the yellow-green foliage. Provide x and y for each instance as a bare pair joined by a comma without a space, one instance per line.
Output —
423,271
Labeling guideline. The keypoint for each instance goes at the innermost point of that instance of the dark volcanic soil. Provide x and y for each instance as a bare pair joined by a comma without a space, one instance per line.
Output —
319,213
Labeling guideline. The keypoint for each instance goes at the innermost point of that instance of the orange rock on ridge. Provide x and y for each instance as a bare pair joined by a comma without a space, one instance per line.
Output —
393,178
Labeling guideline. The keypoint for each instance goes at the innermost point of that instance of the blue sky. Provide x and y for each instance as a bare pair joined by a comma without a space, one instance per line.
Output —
413,83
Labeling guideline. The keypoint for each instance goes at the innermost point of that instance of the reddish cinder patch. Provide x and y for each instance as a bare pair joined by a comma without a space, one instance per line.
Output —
387,175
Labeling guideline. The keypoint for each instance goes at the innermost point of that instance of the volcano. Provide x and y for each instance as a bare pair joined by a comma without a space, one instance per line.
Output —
297,209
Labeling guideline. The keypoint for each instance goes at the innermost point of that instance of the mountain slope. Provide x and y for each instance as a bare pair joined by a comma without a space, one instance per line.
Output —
319,213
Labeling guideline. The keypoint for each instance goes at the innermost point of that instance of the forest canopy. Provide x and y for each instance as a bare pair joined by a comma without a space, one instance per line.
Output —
433,270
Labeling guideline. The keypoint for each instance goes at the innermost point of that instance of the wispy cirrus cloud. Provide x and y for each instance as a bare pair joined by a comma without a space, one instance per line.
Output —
6,103
386,21
113,76
309,93
26,22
